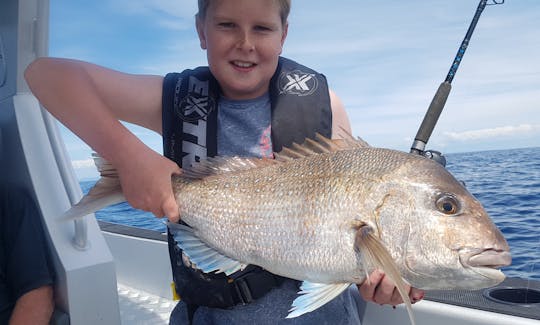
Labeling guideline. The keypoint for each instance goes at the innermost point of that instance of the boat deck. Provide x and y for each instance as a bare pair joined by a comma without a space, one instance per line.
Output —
139,307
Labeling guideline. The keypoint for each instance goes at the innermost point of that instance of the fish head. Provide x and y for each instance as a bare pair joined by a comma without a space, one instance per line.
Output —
439,234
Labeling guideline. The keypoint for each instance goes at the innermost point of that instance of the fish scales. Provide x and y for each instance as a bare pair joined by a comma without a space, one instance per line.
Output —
291,216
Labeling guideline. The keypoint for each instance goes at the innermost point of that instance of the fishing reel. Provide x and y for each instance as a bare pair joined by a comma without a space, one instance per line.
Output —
438,157
418,149
435,155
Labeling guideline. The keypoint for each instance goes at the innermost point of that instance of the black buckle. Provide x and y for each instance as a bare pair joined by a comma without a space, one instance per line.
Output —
253,283
242,290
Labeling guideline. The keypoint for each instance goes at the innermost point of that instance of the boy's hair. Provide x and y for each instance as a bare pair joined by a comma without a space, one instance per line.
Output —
285,8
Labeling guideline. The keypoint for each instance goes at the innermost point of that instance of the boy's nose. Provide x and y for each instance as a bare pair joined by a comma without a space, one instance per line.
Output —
246,42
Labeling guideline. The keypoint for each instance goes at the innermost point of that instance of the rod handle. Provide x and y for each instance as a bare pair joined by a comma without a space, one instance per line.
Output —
431,117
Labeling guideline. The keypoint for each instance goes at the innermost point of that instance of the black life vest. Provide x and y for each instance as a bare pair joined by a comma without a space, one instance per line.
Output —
300,104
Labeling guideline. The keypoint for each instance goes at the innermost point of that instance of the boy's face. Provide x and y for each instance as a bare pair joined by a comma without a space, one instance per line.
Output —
243,39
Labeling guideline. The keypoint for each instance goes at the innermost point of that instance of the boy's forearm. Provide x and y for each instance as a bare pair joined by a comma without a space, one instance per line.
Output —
34,307
68,92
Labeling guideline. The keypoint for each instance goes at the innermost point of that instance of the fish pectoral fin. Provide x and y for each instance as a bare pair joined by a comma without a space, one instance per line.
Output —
203,256
314,295
374,254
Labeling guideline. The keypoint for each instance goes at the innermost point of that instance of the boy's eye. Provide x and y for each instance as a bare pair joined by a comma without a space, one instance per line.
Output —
226,25
262,28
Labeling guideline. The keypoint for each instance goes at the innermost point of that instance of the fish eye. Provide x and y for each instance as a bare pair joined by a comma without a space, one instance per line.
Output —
447,204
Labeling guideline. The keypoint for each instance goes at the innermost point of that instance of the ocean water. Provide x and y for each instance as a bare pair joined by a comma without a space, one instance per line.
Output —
507,182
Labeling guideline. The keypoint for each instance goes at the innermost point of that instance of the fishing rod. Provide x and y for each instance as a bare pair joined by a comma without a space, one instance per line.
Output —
439,100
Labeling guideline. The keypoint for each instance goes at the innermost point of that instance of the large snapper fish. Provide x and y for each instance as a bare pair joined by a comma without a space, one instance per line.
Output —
328,212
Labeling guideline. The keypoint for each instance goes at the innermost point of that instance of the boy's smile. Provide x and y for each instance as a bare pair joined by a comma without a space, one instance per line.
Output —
243,65
243,39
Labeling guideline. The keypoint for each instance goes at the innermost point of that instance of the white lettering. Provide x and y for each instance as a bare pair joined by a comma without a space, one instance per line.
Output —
197,130
198,104
197,86
193,151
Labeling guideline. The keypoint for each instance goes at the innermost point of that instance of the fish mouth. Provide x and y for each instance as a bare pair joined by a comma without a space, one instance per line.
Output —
486,262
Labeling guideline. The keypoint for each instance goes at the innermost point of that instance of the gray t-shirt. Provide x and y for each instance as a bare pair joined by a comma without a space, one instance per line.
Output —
244,127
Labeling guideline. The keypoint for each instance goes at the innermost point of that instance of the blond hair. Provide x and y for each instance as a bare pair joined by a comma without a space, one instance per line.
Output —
284,5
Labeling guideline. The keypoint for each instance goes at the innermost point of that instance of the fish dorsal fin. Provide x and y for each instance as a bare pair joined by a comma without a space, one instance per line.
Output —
375,254
314,295
105,192
357,142
320,144
221,165
203,256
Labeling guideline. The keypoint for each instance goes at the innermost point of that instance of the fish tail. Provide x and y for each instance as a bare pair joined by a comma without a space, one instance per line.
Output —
374,253
107,191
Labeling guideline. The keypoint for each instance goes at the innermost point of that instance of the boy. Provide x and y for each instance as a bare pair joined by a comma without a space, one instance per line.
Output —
229,109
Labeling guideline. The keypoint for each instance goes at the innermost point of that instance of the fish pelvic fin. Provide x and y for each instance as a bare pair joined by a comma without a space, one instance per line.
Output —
375,254
105,192
315,295
203,256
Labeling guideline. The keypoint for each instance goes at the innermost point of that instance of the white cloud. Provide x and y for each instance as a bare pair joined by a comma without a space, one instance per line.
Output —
81,164
177,25
503,131
177,56
177,9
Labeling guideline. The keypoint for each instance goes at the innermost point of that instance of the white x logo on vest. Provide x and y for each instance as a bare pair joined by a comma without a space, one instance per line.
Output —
198,105
298,82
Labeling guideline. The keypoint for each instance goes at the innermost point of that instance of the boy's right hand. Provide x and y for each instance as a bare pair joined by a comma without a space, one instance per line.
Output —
146,184
381,290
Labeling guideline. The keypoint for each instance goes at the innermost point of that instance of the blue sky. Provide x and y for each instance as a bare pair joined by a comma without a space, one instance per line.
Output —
385,59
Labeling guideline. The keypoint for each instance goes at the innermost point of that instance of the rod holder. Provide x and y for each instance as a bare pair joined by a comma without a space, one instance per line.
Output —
514,296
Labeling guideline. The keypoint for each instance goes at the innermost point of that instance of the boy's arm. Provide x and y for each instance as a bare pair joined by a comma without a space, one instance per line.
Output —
91,100
380,288
340,120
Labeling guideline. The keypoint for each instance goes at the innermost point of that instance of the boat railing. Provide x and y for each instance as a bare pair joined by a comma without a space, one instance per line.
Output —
85,286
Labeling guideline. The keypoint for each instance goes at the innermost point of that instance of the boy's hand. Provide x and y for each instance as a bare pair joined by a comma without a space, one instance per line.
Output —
383,291
146,183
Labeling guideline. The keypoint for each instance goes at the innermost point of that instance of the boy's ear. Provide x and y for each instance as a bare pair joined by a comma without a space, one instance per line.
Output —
199,25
